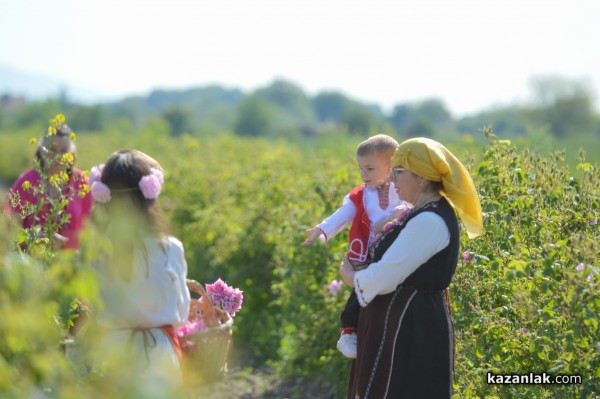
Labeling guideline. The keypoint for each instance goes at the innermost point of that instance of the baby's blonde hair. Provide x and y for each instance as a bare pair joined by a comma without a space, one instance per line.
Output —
380,143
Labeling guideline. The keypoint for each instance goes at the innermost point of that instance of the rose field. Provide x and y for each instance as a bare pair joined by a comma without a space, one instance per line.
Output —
525,297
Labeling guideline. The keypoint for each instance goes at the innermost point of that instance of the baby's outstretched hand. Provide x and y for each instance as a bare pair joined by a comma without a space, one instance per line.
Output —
313,234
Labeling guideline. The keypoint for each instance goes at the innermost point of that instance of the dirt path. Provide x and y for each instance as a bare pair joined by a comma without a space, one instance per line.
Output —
245,382
262,384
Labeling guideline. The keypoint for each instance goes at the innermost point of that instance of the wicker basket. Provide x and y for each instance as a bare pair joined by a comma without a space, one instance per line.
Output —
205,352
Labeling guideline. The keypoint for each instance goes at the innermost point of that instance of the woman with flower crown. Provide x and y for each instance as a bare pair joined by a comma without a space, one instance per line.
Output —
142,279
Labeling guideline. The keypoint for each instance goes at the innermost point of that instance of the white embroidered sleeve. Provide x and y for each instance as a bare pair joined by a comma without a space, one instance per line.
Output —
422,237
338,220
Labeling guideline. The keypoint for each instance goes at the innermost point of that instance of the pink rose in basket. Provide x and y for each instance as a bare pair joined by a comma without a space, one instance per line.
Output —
227,298
192,327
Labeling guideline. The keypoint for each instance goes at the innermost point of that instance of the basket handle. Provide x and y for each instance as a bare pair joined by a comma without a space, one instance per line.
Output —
195,286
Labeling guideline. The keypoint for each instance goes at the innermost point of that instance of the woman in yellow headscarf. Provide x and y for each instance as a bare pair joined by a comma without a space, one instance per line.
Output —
405,336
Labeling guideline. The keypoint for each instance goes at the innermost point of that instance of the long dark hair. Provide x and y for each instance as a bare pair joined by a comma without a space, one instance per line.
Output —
128,218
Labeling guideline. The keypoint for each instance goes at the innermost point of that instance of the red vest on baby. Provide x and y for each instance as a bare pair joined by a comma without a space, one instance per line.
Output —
360,230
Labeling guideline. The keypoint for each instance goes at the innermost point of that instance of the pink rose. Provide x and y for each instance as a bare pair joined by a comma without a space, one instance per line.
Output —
468,257
191,327
230,299
100,192
335,286
95,174
150,186
159,175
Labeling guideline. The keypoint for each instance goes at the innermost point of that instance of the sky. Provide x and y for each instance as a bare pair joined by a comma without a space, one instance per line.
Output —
471,54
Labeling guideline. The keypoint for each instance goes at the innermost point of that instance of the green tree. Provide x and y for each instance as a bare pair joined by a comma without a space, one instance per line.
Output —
330,106
358,118
255,117
289,97
566,105
421,119
35,114
421,128
434,111
90,118
507,121
179,120
292,110
401,117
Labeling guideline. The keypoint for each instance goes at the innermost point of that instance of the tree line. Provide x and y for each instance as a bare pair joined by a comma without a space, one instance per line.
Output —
560,106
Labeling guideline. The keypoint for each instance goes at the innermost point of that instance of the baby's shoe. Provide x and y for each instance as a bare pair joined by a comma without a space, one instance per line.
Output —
347,345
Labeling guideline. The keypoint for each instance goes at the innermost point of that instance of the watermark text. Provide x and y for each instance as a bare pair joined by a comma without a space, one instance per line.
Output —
533,378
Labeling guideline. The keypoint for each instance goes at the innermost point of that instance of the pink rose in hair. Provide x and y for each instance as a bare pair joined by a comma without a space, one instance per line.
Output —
150,186
159,175
95,174
100,192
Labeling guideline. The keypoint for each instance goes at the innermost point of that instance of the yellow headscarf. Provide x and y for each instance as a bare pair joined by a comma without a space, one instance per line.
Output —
432,161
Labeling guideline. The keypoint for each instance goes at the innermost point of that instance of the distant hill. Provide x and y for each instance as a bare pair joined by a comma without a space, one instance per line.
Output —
283,108
213,104
35,87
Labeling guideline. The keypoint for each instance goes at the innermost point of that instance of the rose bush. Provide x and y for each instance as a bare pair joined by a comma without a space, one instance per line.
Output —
524,298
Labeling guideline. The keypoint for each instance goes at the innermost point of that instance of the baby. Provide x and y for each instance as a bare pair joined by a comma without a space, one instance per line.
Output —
365,207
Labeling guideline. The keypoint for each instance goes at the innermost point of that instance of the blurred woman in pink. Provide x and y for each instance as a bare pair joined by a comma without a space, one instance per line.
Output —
31,196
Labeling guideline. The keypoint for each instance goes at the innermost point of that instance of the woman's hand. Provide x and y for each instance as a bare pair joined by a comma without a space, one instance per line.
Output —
347,272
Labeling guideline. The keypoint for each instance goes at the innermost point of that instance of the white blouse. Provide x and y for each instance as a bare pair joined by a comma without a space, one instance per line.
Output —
345,214
155,296
136,310
422,237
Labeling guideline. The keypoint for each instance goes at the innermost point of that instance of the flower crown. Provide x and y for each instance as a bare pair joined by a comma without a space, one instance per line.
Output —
150,185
